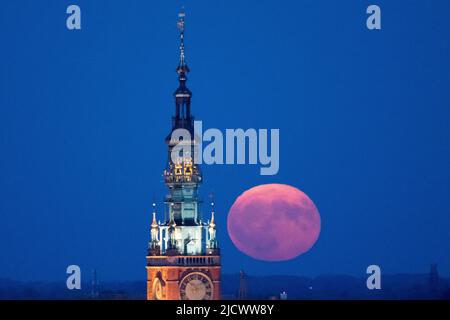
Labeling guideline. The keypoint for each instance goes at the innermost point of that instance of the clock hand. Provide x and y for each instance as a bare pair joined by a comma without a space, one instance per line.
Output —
194,287
197,286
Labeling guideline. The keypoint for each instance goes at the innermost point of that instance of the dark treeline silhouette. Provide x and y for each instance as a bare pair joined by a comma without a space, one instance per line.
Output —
399,286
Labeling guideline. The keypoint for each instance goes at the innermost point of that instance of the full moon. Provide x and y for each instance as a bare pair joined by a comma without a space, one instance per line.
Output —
273,222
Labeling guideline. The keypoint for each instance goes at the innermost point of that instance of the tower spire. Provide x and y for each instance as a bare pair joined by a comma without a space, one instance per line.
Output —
154,223
212,246
182,95
212,222
154,247
182,68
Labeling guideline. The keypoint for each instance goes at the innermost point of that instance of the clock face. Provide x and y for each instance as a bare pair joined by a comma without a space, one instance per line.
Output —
196,286
157,289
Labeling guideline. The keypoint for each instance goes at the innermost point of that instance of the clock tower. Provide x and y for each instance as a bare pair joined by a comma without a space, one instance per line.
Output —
183,260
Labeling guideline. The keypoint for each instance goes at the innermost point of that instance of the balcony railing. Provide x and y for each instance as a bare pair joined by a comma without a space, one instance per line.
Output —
205,260
182,178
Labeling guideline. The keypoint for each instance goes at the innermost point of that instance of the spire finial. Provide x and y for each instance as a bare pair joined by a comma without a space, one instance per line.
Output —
182,94
182,67
211,223
154,223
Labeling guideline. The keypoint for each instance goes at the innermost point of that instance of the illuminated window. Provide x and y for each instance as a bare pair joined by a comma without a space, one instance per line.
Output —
188,167
178,170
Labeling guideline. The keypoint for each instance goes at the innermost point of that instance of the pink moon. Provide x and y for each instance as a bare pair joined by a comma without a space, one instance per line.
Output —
273,222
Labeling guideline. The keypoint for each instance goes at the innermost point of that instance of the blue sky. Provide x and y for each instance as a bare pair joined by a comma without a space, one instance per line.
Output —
363,118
